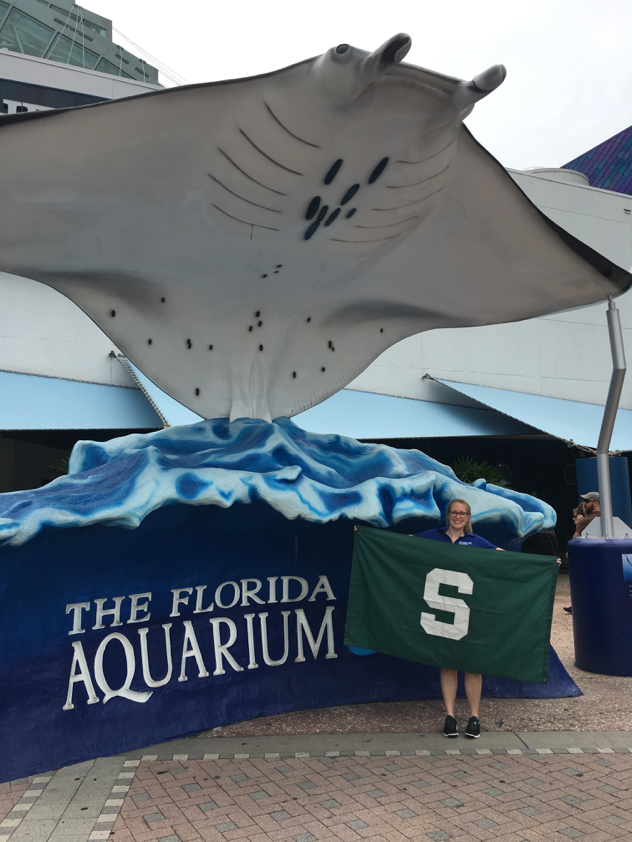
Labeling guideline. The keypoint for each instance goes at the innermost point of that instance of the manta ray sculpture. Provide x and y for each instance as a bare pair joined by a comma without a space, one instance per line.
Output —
253,245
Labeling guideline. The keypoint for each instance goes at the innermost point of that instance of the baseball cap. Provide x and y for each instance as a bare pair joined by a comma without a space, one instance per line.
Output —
592,495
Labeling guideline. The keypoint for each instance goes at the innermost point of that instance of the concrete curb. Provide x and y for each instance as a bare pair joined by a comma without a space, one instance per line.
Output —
320,745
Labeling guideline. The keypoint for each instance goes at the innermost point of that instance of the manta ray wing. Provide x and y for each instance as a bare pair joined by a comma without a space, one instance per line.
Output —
253,245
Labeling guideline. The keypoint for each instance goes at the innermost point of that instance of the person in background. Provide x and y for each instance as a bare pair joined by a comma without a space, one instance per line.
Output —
578,513
584,514
592,509
459,531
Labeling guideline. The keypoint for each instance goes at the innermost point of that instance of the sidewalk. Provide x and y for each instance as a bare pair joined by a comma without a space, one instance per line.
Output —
380,787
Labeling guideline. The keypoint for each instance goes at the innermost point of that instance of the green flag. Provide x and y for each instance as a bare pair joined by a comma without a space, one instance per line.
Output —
454,606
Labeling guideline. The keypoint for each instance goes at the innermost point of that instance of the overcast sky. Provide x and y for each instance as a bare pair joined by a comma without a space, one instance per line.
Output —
569,62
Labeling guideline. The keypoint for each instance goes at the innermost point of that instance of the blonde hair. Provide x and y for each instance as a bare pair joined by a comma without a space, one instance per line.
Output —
468,524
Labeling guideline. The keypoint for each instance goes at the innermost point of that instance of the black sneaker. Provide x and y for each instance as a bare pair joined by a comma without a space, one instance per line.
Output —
449,727
473,729
569,610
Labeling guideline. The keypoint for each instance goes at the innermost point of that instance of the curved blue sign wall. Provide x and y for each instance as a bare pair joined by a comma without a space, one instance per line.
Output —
116,638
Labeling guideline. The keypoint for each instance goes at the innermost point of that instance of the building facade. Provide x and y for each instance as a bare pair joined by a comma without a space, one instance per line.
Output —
527,397
68,34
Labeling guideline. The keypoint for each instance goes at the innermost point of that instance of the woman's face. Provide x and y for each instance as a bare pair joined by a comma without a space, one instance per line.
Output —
458,515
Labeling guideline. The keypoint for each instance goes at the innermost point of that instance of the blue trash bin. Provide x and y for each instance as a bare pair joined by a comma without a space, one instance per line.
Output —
601,595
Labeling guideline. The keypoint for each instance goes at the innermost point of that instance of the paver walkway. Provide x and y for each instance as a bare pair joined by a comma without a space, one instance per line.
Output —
383,788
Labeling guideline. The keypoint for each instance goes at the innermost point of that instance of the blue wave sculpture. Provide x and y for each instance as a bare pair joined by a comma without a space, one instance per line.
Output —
319,478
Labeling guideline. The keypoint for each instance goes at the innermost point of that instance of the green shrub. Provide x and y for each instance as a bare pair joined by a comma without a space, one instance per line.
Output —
468,469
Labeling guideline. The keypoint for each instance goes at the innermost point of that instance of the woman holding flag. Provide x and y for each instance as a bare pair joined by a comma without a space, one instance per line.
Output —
458,530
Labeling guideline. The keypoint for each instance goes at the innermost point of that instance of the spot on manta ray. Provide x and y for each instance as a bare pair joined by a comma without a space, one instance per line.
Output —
294,224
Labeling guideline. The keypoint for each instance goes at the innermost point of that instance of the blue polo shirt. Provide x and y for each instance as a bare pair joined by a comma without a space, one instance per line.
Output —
468,540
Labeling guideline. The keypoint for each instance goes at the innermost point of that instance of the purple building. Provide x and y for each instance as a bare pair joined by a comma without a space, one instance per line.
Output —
608,165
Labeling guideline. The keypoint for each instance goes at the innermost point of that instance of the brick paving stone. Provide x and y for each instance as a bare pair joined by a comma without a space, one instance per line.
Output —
530,811
405,804
615,820
406,813
226,826
486,824
376,793
11,792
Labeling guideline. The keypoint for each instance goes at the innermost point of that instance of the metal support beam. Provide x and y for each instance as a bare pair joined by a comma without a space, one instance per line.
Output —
609,416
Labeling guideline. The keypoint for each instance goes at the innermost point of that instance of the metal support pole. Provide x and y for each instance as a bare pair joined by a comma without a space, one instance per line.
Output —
609,416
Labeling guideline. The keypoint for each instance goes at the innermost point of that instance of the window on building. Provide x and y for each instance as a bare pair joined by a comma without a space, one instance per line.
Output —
66,52
25,35
63,11
106,67
80,19
88,24
3,10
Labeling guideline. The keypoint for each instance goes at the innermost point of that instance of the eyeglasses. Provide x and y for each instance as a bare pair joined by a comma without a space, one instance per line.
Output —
458,514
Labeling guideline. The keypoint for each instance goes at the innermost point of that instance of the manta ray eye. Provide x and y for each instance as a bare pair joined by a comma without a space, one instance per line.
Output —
341,49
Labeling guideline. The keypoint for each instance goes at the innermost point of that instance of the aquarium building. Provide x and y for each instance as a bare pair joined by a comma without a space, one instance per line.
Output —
526,397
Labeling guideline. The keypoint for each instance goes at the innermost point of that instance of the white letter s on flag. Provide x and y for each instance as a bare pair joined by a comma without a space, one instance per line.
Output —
459,627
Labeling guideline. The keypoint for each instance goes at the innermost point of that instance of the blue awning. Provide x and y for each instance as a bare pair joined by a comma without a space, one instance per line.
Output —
571,421
361,415
366,415
32,402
